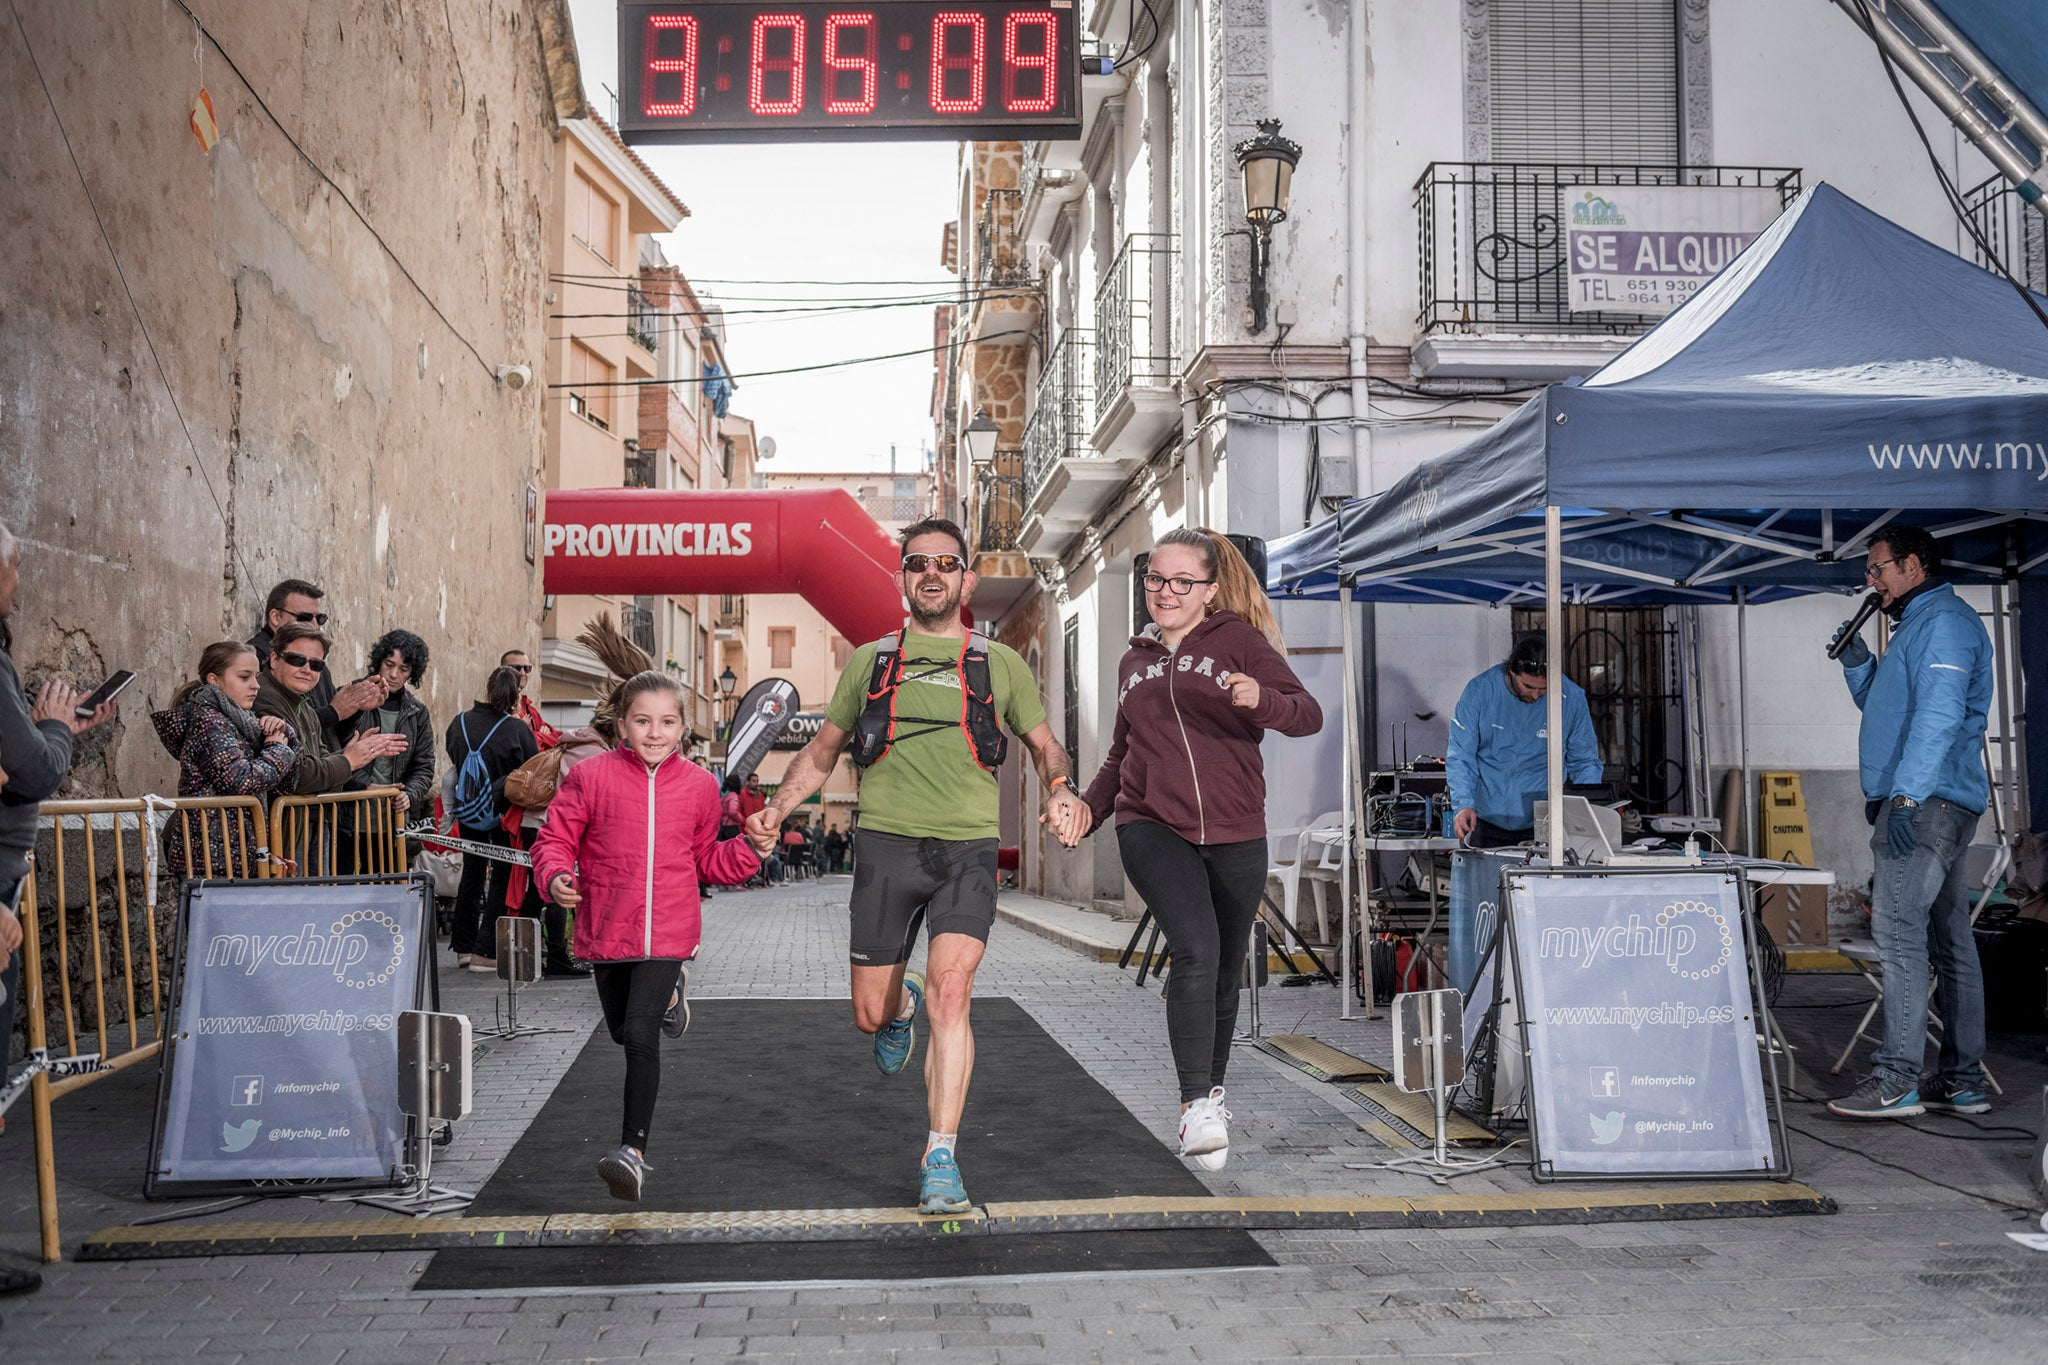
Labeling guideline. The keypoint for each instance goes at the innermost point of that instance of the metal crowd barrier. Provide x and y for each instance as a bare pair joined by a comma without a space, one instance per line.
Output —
105,866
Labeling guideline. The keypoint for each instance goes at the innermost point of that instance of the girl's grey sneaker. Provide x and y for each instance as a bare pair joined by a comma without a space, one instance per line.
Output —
623,1171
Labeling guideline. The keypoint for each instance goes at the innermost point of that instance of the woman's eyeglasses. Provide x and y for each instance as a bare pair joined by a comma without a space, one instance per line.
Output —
1180,587
943,563
299,660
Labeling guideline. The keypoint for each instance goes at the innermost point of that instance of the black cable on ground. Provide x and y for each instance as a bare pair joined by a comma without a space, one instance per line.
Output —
1908,1170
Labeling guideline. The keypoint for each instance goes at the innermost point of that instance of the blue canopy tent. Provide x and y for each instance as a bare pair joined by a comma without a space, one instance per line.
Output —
1840,374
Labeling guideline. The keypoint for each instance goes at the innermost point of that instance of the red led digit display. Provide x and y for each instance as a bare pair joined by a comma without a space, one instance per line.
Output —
806,70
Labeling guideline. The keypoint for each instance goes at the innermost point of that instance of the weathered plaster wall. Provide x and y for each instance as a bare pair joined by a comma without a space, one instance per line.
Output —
340,429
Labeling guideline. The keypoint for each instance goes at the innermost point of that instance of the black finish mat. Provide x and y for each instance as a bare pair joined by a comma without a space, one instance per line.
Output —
776,1104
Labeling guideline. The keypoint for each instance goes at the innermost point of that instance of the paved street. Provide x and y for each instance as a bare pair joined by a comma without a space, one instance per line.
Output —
1908,1270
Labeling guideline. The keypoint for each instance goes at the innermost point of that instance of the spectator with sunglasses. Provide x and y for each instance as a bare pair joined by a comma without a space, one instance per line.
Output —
1499,759
297,663
544,734
297,602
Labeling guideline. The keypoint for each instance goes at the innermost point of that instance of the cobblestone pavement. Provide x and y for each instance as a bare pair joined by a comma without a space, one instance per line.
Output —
1909,1270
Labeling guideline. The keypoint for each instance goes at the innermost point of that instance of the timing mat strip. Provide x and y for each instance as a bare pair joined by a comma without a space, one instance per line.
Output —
1319,1059
1416,1111
1637,1204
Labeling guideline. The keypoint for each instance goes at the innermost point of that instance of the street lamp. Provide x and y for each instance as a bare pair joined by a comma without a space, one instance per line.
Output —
727,681
1267,164
981,435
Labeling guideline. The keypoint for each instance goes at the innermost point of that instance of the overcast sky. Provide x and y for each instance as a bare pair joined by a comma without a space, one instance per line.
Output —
851,211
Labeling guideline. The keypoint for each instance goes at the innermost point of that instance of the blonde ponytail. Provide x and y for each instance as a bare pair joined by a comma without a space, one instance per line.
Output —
1237,588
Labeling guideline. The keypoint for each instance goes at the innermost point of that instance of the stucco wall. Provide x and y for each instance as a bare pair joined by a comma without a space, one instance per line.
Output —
339,429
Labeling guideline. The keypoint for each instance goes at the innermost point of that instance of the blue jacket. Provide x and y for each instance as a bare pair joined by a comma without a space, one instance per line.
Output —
1499,762
1924,705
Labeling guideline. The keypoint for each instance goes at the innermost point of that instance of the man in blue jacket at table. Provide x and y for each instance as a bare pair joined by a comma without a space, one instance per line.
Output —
1499,764
1921,752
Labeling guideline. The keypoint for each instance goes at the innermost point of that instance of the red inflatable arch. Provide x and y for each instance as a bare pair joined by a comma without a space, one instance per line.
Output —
818,542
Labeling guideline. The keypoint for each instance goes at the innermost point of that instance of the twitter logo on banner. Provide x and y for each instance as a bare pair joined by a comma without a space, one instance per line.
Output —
1608,1129
236,1137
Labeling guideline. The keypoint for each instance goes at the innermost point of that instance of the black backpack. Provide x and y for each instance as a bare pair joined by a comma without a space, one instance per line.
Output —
875,733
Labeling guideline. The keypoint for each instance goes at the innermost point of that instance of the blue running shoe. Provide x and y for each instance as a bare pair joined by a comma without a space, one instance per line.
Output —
895,1041
941,1189
1946,1095
1879,1099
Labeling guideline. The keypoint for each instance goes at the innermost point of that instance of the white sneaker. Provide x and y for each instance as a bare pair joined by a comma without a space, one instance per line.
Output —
1205,1131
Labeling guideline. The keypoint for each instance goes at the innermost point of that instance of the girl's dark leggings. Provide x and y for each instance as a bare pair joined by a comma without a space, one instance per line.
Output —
634,996
1203,897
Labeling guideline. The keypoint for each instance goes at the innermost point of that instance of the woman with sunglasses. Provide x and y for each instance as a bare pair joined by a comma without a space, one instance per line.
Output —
1184,782
297,660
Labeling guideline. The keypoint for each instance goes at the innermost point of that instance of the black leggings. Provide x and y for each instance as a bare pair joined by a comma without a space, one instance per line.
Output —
1203,897
634,995
480,898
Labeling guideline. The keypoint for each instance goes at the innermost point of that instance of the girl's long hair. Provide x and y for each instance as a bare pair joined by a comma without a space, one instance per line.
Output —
216,659
1237,588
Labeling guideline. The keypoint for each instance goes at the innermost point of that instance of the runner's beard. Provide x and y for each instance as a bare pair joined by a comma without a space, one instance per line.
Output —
948,606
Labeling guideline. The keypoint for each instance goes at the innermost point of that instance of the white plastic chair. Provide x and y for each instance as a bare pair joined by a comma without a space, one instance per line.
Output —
1312,862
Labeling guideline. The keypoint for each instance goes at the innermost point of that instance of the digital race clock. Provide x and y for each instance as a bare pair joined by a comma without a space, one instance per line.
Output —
741,71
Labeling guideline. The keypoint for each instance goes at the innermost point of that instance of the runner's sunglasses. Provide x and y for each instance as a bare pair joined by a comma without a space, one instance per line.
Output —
943,563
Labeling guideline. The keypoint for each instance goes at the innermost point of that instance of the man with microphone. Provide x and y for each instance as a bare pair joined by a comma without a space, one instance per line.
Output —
1921,755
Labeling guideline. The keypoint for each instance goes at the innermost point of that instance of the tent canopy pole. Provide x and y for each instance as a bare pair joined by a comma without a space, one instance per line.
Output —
1553,638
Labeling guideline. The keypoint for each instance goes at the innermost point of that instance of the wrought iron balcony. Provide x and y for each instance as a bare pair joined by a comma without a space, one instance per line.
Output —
1492,245
1063,410
643,320
2012,229
883,507
1134,319
999,498
637,622
640,465
1000,255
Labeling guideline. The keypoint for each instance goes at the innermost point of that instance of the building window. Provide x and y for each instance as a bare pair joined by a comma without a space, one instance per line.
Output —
587,367
593,218
1584,81
781,646
703,661
689,367
842,654
1070,687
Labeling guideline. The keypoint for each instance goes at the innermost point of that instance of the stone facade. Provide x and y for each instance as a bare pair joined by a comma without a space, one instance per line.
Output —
279,359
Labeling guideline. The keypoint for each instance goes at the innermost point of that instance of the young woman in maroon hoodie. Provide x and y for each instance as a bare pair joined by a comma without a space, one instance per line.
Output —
625,840
1185,784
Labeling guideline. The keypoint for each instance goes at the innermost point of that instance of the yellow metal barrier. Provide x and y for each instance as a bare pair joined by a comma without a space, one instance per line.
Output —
339,834
104,866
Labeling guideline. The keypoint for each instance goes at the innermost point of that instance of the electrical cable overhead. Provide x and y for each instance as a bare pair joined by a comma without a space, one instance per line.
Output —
794,369
341,193
953,283
121,274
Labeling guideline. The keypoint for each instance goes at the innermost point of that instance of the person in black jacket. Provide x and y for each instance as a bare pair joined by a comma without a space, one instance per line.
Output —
297,602
502,742
399,661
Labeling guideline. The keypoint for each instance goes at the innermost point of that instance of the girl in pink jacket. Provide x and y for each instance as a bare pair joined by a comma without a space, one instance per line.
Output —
626,839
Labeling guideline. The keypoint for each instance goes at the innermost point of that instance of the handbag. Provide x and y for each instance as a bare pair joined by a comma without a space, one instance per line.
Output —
532,784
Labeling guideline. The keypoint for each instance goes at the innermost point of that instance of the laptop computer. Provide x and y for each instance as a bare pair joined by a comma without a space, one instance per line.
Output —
1592,835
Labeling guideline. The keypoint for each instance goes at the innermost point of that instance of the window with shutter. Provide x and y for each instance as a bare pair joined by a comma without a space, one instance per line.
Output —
1584,81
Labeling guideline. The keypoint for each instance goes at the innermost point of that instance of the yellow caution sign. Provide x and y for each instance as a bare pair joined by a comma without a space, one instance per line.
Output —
1791,917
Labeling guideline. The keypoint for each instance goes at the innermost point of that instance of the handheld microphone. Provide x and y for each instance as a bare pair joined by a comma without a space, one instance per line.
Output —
1848,632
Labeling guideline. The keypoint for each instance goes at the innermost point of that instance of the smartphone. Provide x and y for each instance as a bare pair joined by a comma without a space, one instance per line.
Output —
104,693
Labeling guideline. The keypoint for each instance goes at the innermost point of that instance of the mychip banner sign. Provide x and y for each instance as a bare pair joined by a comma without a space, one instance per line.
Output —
1648,248
1639,1026
284,1056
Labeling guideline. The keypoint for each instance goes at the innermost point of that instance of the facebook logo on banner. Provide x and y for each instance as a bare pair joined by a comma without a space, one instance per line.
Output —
246,1091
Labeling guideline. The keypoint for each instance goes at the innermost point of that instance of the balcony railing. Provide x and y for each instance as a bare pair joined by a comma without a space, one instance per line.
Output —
640,465
638,623
999,250
732,612
2013,229
643,320
883,508
1492,240
999,493
1133,318
1058,427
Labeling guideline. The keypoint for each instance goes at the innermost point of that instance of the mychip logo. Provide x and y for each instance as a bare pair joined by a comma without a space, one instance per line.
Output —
362,949
1692,939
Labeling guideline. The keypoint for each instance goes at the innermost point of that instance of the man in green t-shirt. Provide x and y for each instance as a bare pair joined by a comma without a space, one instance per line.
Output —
926,846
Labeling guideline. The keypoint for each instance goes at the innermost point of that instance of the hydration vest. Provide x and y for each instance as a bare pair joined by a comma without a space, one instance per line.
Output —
875,732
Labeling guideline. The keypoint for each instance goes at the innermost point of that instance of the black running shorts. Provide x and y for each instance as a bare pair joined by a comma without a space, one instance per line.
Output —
950,883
